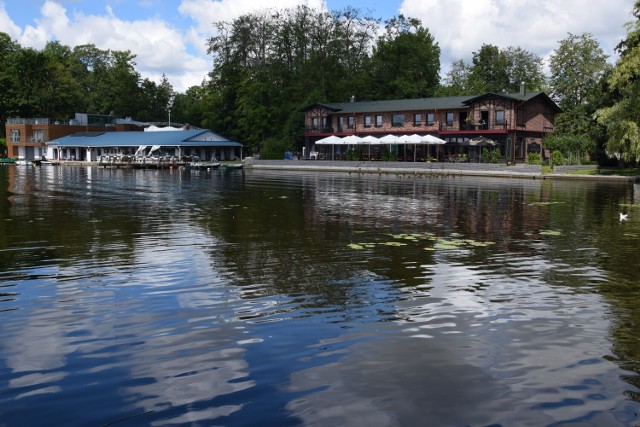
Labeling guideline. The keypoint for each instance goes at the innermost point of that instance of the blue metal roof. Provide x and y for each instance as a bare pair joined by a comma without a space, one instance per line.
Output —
181,138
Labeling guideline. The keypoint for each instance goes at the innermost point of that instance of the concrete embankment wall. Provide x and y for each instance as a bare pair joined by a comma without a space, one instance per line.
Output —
522,171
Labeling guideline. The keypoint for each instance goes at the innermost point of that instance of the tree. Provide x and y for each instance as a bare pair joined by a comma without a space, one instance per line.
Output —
406,60
524,67
488,72
8,49
495,70
121,86
578,67
457,80
188,107
622,119
268,65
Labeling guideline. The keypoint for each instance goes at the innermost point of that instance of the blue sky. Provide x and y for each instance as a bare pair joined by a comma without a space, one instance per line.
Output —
169,36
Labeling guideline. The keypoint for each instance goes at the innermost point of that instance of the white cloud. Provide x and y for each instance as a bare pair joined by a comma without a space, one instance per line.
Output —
461,26
205,12
159,47
6,24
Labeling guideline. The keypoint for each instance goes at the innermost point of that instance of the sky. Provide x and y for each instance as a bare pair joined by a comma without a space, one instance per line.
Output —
169,36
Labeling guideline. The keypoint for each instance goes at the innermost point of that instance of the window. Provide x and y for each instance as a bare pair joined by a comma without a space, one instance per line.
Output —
15,135
397,120
340,123
500,117
449,119
367,121
314,123
417,119
431,119
38,135
520,117
378,121
350,119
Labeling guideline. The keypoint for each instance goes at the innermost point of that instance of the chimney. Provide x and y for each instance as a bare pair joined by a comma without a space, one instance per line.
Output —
353,98
523,90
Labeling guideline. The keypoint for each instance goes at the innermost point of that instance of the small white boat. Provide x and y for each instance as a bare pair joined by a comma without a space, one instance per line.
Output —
232,165
203,165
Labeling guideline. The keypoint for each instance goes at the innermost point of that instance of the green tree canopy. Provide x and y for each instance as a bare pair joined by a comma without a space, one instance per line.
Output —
406,60
495,70
578,67
622,119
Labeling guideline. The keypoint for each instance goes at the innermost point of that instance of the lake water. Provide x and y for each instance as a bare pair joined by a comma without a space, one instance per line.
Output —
132,297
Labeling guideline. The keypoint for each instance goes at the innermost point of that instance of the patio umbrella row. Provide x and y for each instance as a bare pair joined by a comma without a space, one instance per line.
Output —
414,139
387,139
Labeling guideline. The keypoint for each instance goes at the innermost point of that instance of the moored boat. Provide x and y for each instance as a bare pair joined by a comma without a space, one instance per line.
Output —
203,165
233,165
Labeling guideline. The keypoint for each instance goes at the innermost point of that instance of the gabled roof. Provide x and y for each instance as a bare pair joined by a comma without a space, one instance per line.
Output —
418,104
517,97
180,138
440,103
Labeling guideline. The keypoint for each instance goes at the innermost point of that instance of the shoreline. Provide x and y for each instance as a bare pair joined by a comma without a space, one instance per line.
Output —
519,171
428,169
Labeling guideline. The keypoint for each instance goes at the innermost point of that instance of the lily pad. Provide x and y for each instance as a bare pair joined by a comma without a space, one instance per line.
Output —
395,244
544,203
550,233
356,246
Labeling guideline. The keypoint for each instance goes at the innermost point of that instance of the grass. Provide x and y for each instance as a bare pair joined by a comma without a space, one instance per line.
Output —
607,172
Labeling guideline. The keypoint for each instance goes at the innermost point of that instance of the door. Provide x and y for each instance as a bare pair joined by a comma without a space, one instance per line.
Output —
484,120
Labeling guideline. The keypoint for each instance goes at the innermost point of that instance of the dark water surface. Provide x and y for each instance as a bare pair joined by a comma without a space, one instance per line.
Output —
132,297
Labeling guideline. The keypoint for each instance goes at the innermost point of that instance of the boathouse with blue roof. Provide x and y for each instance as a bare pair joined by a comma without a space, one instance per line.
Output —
91,146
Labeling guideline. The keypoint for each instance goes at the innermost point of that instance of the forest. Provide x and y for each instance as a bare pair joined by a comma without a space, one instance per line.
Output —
267,65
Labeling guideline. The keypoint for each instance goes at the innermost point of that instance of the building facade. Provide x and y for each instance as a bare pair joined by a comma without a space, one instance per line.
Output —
28,138
179,143
517,122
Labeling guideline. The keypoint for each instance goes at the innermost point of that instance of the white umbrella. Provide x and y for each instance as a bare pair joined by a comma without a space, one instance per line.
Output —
414,139
329,140
430,139
433,140
351,139
370,140
389,139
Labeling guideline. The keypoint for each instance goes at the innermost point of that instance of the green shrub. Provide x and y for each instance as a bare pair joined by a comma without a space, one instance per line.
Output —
353,154
495,156
534,159
274,149
388,155
486,156
557,158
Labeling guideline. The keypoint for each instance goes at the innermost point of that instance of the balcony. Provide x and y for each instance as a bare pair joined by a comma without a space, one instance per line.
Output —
23,121
324,129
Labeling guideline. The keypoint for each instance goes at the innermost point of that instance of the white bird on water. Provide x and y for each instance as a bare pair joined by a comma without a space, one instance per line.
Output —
623,217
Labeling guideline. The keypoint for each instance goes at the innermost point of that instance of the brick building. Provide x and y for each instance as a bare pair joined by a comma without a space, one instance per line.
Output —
518,122
27,138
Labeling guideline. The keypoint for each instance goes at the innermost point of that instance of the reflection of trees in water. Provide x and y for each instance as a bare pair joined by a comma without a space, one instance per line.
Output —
77,213
288,235
291,239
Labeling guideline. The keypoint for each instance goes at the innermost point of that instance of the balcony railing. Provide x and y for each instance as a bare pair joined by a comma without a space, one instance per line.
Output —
324,129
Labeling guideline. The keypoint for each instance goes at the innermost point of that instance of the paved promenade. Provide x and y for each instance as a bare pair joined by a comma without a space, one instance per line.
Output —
522,171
